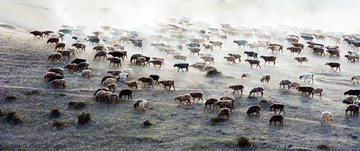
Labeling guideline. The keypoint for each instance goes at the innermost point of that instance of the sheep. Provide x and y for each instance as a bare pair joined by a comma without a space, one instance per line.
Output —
355,92
198,66
326,116
285,83
83,65
58,83
140,61
251,54
122,77
65,53
132,84
167,83
108,81
277,118
134,57
349,100
334,65
155,77
180,57
129,71
277,106
211,102
237,56
356,102
275,47
194,50
60,46
353,108
208,47
114,72
265,78
37,34
216,43
78,60
183,98
355,77
236,88
101,54
101,89
50,74
319,51
301,59
71,67
254,109
269,59
294,50
57,70
230,59
208,59
334,53
181,66
100,95
224,112
306,89
111,87
307,77
251,62
146,81
240,42
352,58
125,92
246,75
198,95
115,60
106,77
86,74
110,48
99,47
317,90
157,62
257,90
140,104
79,46
53,41
193,45
55,57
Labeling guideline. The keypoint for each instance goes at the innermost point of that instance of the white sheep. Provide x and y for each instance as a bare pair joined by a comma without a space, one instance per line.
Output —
356,77
109,81
86,74
123,76
141,104
246,75
129,71
326,116
307,77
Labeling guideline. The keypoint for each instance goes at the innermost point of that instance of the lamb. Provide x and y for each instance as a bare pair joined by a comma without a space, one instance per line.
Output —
285,83
132,84
125,92
254,109
237,56
301,59
256,62
108,81
349,100
224,112
53,41
111,87
317,90
307,77
257,90
115,60
355,92
157,62
181,66
146,81
269,59
353,108
141,104
208,59
277,118
277,106
306,89
265,78
355,77
246,75
86,74
101,54
198,95
236,88
167,83
183,98
155,77
79,46
60,46
294,50
211,102
37,34
326,116
55,57
216,43
230,59
58,83
71,67
122,77
194,50
334,65
251,54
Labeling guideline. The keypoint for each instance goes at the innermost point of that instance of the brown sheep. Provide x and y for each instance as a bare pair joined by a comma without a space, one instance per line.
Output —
106,77
167,83
208,59
254,109
79,46
294,50
265,78
277,106
37,34
101,54
194,50
353,108
132,84
236,88
55,57
99,47
111,87
60,46
198,95
147,81
115,60
352,58
334,65
224,112
334,53
224,104
275,47
237,56
223,37
294,85
101,89
57,70
140,61
301,59
277,118
256,62
349,100
71,67
318,90
295,44
257,90
134,57
216,43
211,102
183,98
208,47
285,83
230,59
65,53
140,104
157,62
110,48
198,66
58,83
319,51
180,57
306,89
269,59
53,41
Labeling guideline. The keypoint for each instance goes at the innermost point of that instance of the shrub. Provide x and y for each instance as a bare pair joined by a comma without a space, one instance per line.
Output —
58,123
215,119
1,114
10,97
323,146
84,118
243,141
13,117
79,104
147,123
263,100
54,113
212,72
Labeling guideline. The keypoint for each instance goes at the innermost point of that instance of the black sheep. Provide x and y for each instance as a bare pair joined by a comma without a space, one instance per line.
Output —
277,106
125,92
52,78
117,54
353,92
155,77
181,66
78,60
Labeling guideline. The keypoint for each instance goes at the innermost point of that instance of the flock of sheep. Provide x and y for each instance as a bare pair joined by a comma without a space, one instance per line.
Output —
113,50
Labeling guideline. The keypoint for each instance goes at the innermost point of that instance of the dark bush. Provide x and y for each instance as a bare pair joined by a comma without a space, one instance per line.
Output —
84,118
54,113
243,141
212,73
58,123
10,97
13,117
77,105
147,123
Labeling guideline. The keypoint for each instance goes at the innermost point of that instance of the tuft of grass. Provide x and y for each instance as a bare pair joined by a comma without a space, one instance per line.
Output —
54,113
212,73
263,100
323,146
10,97
13,117
147,123
58,123
79,104
1,114
215,119
243,141
62,94
84,118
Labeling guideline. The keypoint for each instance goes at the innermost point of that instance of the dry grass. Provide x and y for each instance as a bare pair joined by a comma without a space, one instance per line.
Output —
243,141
